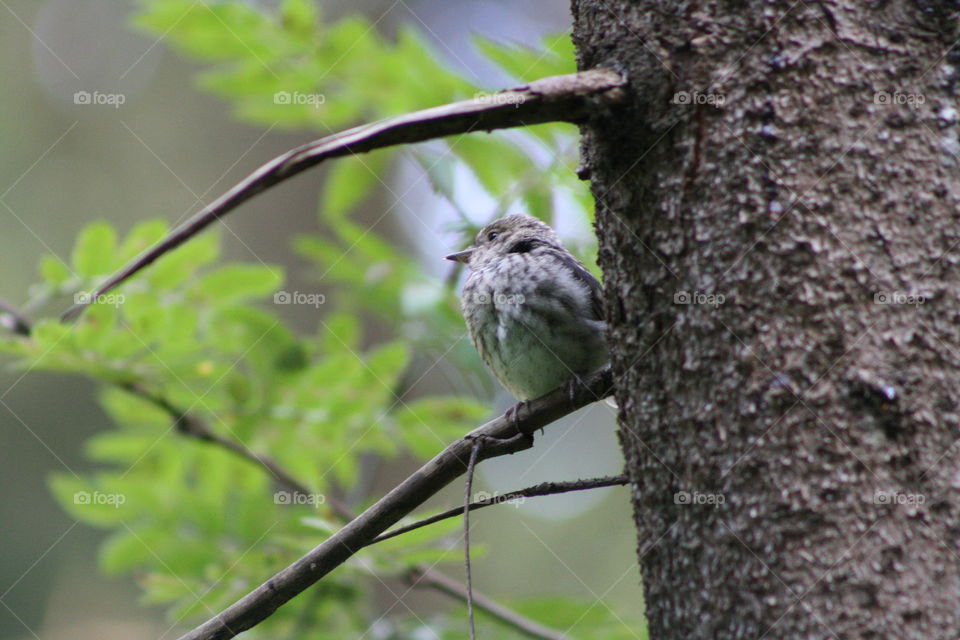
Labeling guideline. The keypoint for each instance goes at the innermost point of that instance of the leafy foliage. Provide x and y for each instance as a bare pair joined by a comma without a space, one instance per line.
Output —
191,332
198,525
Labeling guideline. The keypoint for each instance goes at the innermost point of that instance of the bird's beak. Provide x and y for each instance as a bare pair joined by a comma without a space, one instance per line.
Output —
461,256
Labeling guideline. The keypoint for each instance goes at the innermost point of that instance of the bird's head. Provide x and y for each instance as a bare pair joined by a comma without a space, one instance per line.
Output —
517,233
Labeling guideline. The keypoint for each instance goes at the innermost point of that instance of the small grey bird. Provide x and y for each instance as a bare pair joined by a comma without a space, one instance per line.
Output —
534,312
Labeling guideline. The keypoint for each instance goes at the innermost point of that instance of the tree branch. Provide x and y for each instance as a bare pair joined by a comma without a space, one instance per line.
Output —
13,320
500,436
192,427
569,98
542,489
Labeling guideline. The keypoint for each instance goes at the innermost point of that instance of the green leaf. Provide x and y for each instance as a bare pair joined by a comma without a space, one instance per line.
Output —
128,409
284,68
426,425
51,334
53,271
122,447
526,64
143,236
341,331
96,326
161,588
386,362
94,252
122,552
299,16
351,180
495,161
240,281
183,262
89,502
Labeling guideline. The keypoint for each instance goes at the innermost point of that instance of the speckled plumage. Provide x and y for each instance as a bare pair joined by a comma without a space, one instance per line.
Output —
533,311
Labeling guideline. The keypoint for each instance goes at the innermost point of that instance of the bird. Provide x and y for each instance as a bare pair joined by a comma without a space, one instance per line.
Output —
533,311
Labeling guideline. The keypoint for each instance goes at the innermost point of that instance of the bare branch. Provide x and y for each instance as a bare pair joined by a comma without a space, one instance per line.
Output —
569,98
542,489
192,427
498,437
13,320
509,617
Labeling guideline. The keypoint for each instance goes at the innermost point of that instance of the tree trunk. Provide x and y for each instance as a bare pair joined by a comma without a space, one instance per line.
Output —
777,207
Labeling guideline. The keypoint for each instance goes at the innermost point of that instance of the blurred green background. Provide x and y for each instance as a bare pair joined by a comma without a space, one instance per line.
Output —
163,153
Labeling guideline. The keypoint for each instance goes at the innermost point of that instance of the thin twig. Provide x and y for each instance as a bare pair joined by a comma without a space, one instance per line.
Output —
568,98
13,320
467,492
450,587
191,426
542,489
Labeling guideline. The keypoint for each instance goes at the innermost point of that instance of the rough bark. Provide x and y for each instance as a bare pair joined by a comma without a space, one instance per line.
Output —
811,395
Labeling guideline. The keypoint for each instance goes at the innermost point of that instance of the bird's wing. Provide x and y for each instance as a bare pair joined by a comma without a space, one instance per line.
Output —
579,272
582,275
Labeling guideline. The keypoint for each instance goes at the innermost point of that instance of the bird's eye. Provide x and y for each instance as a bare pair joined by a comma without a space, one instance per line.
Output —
492,236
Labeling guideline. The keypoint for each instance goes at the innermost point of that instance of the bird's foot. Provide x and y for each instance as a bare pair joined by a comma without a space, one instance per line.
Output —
512,415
